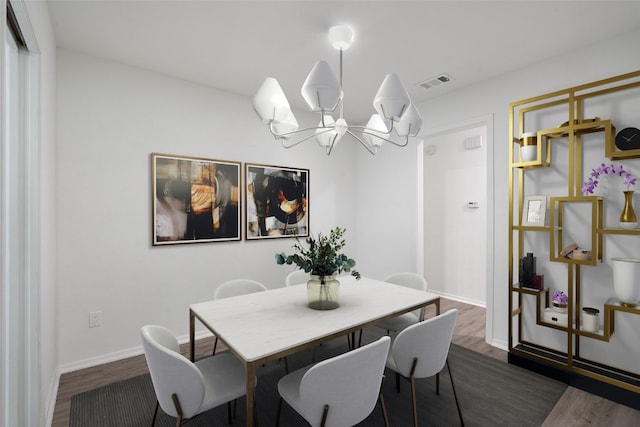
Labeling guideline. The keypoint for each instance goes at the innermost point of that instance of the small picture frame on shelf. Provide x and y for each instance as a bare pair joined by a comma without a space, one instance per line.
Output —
534,211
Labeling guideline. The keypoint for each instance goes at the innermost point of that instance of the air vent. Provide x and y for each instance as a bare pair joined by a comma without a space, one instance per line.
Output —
435,81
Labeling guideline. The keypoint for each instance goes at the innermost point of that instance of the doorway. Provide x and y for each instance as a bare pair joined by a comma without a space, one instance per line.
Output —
458,212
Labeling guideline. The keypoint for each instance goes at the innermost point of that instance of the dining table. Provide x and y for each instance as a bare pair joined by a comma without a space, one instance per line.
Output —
267,326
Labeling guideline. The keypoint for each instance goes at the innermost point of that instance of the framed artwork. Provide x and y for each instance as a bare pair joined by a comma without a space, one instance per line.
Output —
534,210
277,201
195,199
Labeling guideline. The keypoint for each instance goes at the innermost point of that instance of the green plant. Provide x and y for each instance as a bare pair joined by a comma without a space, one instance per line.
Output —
321,257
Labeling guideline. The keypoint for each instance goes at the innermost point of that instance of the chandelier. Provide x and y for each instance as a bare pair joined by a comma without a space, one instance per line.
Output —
323,94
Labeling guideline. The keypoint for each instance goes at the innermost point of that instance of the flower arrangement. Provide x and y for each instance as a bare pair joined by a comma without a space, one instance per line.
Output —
590,184
321,257
559,301
560,297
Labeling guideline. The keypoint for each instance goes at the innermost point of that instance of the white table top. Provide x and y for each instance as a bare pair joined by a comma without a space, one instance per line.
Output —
263,324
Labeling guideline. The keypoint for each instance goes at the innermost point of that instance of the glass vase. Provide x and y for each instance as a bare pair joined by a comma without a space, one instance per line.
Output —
628,218
323,292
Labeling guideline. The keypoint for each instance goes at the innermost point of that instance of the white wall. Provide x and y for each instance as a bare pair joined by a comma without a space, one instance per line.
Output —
455,256
387,217
390,227
111,117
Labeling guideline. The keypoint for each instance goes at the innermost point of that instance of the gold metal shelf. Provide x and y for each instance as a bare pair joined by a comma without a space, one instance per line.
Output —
571,137
620,231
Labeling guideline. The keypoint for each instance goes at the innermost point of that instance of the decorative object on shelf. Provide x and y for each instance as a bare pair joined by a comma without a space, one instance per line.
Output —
626,280
538,282
527,271
323,94
628,218
628,139
550,315
580,255
568,251
323,261
592,182
590,319
560,302
534,211
528,146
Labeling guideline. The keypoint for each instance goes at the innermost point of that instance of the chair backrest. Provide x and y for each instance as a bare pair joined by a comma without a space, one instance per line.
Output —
408,280
429,341
348,383
296,277
171,372
237,287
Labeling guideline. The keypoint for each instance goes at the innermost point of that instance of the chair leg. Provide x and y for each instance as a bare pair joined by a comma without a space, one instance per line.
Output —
384,409
325,413
229,412
215,344
398,382
155,413
278,412
454,394
413,401
176,403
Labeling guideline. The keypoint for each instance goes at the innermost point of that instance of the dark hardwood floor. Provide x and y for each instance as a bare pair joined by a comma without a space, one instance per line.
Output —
575,408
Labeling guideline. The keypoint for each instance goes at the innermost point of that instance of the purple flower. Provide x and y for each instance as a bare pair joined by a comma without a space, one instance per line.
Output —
559,297
592,182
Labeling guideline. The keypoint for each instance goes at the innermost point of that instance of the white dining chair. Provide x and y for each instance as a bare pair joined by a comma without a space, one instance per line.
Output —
421,350
296,277
408,280
183,388
340,391
233,288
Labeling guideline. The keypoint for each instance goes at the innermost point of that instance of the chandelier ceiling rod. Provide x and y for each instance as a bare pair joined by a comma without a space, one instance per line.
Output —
323,93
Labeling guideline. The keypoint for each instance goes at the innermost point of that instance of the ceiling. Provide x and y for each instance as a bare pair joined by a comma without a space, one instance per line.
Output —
234,45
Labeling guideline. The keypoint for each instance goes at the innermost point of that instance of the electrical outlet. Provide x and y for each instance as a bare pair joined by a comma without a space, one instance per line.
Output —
94,319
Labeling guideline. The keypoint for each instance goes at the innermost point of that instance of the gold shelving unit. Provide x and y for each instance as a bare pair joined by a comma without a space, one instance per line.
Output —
526,117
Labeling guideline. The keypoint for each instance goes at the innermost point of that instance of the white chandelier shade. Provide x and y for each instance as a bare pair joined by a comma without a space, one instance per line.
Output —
270,102
323,94
410,122
392,98
287,126
321,89
326,134
376,131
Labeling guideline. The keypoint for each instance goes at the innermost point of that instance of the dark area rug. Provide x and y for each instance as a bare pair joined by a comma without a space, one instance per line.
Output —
491,393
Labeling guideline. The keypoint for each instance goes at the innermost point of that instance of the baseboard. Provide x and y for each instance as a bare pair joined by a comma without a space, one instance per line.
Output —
459,299
501,344
118,355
